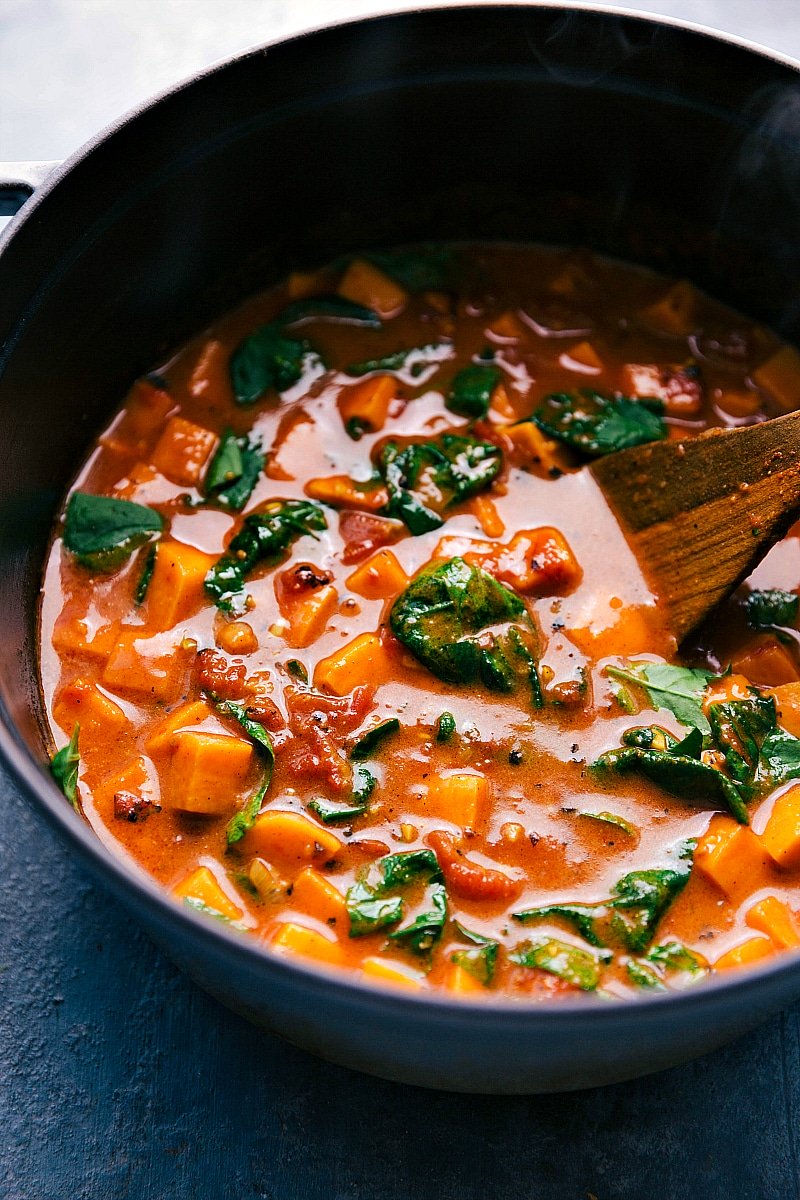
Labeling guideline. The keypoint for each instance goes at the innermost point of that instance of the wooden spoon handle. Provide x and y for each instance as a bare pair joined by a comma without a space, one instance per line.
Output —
701,514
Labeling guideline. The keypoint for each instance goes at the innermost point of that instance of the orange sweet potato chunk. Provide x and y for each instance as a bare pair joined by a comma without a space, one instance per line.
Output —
182,451
203,886
292,938
176,588
379,578
207,772
151,667
365,284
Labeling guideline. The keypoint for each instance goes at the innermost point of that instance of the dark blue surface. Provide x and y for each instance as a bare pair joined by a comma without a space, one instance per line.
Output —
119,1079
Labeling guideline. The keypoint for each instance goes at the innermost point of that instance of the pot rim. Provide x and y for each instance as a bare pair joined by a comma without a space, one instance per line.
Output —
122,875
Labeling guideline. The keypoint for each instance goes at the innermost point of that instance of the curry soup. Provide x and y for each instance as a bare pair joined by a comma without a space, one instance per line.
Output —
343,646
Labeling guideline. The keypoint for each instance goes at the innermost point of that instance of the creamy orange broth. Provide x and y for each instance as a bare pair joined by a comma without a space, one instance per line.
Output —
144,681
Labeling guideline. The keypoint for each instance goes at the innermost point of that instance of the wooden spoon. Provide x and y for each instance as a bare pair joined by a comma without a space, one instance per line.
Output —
700,514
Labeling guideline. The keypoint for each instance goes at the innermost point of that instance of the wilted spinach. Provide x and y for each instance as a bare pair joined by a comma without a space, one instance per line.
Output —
102,532
233,471
595,424
470,392
244,820
579,967
480,958
64,768
373,902
458,467
771,608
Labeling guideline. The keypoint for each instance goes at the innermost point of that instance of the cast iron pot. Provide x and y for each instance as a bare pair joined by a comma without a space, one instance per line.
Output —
645,139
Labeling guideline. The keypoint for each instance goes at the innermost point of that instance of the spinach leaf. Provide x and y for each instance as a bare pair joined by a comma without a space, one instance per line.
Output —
766,609
64,768
445,617
758,755
480,958
662,961
368,743
425,269
268,360
264,537
233,471
328,308
630,916
143,582
679,689
688,778
578,967
416,360
200,907
470,392
609,818
445,727
458,467
296,668
595,424
245,819
330,813
372,902
102,532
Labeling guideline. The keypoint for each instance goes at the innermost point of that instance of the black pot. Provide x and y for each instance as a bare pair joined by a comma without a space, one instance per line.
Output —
635,137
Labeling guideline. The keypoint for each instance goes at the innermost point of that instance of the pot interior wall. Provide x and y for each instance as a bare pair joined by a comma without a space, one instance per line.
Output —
636,139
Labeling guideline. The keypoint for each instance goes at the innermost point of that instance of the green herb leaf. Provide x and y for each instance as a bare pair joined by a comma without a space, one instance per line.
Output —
296,668
267,360
368,743
770,608
481,957
424,269
143,582
457,467
470,392
576,966
595,424
415,360
679,689
198,906
372,902
233,471
64,768
103,532
630,916
445,727
662,961
244,820
444,617
609,818
677,774
265,536
333,814
758,755
328,308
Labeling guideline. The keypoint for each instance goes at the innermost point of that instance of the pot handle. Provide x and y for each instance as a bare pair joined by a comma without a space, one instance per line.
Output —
18,182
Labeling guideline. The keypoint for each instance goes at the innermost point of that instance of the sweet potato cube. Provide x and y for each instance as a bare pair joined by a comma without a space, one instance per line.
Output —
207,772
675,311
584,357
310,616
291,837
301,284
210,378
774,919
398,974
183,450
73,636
507,326
176,587
307,943
781,838
461,798
365,284
627,631
485,513
341,491
137,778
82,703
379,578
202,885
149,666
364,660
768,665
787,702
780,376
367,403
501,403
531,446
145,412
193,713
745,953
461,982
731,856
313,894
